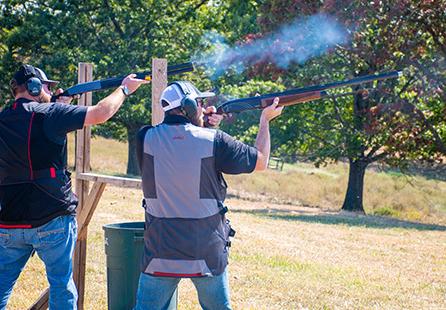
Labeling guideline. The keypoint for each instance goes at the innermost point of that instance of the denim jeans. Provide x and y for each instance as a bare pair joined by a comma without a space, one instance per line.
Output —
54,243
154,293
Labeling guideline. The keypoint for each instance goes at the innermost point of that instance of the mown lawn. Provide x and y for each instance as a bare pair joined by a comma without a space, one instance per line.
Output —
292,256
288,257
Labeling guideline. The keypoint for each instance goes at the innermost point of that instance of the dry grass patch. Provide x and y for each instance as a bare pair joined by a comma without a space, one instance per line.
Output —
410,198
387,194
289,257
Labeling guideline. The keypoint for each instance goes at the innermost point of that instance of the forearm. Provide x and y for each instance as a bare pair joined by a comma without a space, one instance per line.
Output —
111,104
106,108
263,144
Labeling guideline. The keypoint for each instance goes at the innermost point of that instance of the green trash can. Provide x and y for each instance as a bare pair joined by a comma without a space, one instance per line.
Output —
124,245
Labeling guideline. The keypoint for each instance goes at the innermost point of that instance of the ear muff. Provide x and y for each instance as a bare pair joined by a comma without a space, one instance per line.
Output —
190,107
188,104
34,86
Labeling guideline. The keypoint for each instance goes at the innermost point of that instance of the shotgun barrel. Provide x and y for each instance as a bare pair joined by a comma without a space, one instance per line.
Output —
298,95
116,81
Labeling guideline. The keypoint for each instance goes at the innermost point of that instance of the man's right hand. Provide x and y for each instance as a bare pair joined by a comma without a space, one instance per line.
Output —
272,111
132,83
263,141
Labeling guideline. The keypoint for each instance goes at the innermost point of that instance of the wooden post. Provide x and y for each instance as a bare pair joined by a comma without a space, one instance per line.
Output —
42,302
82,165
88,200
159,83
85,74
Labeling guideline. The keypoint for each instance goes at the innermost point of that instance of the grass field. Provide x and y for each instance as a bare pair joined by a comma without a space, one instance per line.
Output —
290,254
390,194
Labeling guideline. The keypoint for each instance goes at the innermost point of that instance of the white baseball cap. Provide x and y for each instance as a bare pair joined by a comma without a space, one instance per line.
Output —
174,93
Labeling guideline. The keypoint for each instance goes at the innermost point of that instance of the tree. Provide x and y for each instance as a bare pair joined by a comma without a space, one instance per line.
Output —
118,37
394,123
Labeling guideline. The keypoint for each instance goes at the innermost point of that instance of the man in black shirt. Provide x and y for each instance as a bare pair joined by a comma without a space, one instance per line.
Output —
186,232
37,206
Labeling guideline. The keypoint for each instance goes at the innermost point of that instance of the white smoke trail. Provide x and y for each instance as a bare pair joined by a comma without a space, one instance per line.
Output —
293,43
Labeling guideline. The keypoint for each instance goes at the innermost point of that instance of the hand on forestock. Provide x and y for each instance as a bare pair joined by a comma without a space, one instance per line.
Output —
212,119
62,99
272,111
132,83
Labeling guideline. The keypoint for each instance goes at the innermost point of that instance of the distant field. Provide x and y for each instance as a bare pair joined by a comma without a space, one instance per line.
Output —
291,255
387,194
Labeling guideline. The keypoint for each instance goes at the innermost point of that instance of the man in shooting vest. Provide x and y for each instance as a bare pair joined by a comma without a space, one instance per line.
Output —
186,231
37,206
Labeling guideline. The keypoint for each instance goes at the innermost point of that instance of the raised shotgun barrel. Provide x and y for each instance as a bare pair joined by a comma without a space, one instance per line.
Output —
116,81
298,95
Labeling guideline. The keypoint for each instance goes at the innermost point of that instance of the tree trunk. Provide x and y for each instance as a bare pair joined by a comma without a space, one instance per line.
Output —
132,162
355,188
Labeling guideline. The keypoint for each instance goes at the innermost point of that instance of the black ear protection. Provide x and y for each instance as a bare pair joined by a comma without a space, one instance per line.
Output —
34,86
189,106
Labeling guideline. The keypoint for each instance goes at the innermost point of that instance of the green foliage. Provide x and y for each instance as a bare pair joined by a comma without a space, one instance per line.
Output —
119,37
398,122
244,126
386,211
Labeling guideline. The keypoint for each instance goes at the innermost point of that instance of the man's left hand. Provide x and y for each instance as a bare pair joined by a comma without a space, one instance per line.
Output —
66,100
213,119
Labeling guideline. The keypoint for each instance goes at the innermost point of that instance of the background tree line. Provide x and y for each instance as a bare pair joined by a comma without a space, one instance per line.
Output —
397,123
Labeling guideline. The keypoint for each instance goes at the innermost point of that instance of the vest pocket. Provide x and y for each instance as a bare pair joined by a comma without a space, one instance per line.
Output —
224,233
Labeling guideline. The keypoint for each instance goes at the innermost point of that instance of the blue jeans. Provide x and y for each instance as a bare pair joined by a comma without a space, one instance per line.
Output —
154,293
54,243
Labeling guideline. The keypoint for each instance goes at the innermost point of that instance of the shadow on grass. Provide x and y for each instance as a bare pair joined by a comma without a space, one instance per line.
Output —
339,219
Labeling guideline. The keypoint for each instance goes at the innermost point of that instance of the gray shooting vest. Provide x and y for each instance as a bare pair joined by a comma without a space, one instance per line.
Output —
186,233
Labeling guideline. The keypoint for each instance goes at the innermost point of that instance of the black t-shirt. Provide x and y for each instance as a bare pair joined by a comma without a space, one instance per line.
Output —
62,119
233,156
29,203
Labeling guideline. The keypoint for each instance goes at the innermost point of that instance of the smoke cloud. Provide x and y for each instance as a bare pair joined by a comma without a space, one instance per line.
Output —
293,43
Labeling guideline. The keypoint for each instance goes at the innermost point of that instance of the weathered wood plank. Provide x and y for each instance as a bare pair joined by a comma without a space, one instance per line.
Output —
159,83
42,302
89,202
82,165
85,74
112,180
83,219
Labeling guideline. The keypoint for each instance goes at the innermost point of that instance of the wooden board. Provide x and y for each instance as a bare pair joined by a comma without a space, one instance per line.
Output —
159,83
82,165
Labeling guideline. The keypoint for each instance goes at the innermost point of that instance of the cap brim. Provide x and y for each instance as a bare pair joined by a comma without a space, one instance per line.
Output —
206,94
51,82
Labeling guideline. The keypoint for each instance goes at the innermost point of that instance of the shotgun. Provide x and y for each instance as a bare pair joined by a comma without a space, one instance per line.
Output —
297,95
116,81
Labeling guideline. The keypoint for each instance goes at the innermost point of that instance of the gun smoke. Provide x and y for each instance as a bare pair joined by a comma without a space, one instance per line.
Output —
293,43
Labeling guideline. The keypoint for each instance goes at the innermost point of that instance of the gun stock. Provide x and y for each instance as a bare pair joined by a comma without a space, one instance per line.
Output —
298,95
287,100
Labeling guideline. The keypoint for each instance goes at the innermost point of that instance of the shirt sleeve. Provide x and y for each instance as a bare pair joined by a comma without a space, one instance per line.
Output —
140,144
63,118
232,156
